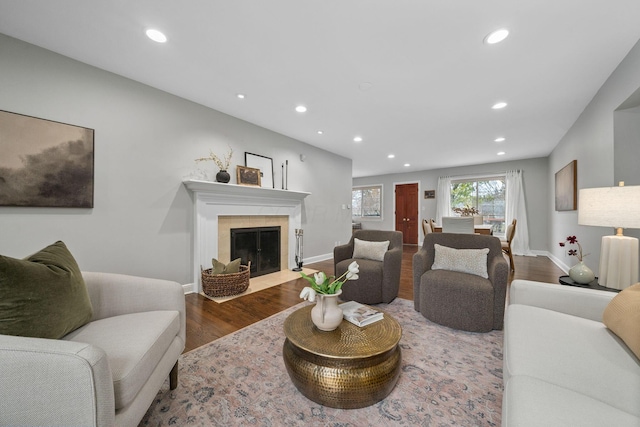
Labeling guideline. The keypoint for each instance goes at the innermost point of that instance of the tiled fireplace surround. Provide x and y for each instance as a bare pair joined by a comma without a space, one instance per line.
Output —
220,207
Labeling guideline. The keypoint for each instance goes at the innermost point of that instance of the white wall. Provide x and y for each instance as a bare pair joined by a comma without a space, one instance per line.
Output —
145,144
591,141
535,176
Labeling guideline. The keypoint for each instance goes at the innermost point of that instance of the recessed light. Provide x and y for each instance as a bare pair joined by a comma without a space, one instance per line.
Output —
406,165
391,156
357,139
301,109
156,36
499,105
500,139
501,153
496,36
240,95
320,132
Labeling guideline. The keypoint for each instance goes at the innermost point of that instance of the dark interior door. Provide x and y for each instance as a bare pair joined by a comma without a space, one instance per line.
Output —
407,212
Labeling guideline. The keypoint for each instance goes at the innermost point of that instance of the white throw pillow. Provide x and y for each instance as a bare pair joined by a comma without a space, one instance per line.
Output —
369,250
472,261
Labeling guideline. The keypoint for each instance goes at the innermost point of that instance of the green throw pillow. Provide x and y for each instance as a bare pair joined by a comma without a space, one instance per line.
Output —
222,268
44,295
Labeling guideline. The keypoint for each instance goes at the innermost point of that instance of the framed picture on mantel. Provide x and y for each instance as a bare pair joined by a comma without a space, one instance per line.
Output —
265,164
248,176
566,183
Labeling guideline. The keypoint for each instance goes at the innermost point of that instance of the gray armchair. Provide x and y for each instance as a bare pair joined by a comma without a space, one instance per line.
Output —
378,281
457,299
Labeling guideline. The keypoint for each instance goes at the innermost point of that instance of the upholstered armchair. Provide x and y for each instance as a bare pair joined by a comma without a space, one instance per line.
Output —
379,277
448,284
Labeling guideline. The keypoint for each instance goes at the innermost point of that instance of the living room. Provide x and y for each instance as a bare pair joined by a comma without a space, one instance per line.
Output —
147,140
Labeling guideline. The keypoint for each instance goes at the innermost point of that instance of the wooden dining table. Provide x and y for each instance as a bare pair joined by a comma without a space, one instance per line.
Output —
479,229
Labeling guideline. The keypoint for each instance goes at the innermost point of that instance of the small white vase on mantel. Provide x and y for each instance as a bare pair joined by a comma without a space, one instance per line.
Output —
581,274
326,314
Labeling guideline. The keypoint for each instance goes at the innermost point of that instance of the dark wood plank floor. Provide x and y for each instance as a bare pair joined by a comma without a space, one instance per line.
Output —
208,320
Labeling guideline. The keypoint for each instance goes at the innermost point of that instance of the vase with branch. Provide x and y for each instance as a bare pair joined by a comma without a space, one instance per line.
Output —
223,165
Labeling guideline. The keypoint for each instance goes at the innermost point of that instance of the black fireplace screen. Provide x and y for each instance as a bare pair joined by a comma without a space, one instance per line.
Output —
260,245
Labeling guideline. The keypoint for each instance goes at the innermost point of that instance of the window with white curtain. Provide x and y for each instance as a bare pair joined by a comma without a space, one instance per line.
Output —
486,194
366,202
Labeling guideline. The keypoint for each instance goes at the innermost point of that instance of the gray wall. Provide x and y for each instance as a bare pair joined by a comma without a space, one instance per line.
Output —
145,144
534,173
591,141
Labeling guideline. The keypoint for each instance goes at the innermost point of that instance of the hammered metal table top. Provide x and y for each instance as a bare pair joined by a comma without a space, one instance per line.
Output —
347,341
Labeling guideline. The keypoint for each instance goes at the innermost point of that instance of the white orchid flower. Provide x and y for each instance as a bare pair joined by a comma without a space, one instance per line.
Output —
308,294
320,277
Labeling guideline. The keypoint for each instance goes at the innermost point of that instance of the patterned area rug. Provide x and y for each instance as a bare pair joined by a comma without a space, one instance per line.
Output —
448,378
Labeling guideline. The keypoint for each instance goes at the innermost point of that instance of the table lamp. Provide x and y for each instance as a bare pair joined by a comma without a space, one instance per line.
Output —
617,207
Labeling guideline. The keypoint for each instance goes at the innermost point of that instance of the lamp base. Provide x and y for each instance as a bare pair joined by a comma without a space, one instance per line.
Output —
618,262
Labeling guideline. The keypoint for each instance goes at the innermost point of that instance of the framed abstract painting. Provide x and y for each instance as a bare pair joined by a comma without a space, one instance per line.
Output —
45,163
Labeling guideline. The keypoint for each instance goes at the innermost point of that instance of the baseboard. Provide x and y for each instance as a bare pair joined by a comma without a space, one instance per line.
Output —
189,288
564,267
318,258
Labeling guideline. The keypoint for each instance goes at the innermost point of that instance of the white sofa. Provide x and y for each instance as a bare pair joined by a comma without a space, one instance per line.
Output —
562,366
105,373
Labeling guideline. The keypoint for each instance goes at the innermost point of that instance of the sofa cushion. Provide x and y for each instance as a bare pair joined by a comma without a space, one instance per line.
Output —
365,249
43,295
530,402
572,352
133,352
471,261
622,317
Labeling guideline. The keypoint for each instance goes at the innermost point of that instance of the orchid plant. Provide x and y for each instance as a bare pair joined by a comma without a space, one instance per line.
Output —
573,240
327,285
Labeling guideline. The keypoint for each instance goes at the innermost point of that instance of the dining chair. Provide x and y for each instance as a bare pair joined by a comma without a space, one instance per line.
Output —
426,227
506,244
458,224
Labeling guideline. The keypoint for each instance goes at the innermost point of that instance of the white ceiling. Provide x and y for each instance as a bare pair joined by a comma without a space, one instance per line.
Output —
413,78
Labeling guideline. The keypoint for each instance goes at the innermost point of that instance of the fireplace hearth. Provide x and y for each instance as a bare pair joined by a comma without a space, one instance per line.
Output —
213,201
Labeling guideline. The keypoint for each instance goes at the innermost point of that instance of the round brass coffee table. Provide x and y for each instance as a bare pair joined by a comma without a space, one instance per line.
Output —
348,368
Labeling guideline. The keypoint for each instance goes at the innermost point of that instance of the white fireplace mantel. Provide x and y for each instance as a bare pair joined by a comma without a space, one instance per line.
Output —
213,199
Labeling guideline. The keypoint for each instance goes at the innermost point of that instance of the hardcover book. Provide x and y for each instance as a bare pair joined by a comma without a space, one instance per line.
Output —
360,314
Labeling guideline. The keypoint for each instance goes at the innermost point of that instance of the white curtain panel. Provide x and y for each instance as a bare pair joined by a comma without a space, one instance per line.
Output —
516,208
443,198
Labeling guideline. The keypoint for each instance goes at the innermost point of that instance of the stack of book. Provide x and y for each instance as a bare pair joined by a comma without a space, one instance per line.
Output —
360,314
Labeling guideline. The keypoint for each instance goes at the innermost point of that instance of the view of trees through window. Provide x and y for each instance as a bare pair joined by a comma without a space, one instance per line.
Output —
366,202
486,195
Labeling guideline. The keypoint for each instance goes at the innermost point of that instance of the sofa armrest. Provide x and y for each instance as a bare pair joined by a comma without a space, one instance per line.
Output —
392,266
420,260
342,252
117,294
71,383
581,302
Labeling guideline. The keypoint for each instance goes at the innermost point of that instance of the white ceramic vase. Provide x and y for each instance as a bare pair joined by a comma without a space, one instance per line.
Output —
582,274
326,315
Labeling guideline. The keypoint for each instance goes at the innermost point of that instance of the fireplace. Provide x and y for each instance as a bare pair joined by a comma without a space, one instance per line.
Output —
258,245
218,206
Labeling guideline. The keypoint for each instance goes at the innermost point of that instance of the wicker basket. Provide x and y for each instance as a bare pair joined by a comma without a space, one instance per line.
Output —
225,285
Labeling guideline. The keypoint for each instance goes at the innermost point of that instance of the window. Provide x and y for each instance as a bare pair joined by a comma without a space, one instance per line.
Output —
487,195
366,202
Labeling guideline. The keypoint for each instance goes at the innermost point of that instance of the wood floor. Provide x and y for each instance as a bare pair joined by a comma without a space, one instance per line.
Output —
208,320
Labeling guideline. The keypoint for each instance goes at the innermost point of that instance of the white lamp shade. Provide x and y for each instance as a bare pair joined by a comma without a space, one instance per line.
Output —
617,207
